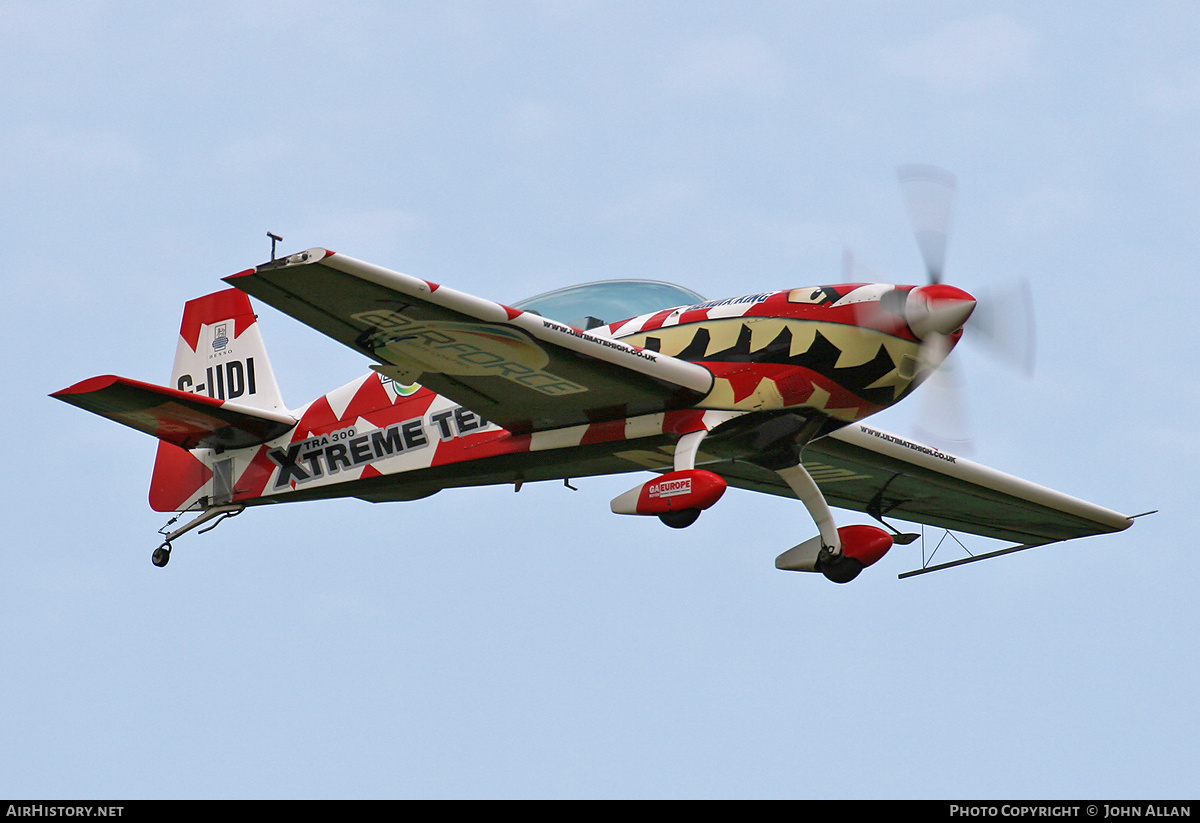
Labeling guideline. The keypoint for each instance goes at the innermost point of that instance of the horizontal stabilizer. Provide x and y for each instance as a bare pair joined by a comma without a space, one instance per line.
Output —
184,419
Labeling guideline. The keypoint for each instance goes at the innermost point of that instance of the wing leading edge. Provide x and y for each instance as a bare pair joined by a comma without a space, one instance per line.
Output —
517,369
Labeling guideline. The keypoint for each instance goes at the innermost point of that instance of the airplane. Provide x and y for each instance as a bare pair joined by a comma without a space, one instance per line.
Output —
764,391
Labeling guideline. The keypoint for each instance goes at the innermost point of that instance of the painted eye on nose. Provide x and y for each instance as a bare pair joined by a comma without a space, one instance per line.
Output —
809,294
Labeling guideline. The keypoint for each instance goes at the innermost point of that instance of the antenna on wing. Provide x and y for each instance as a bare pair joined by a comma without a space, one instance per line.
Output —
275,238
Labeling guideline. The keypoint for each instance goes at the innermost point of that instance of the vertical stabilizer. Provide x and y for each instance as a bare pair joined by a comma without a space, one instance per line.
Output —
219,354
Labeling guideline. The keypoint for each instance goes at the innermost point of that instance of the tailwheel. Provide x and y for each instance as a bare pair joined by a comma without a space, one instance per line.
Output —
679,519
162,555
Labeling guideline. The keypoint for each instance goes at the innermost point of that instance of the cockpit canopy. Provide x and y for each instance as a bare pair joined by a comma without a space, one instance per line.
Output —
608,301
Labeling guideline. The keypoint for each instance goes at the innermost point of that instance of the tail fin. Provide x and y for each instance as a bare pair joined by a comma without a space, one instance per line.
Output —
220,354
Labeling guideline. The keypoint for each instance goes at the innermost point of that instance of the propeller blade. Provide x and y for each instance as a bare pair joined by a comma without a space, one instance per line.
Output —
929,193
942,418
1003,325
854,270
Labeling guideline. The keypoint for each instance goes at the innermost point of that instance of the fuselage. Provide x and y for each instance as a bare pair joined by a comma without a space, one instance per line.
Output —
843,351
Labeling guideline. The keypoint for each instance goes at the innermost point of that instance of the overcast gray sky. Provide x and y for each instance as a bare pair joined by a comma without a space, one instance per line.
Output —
485,644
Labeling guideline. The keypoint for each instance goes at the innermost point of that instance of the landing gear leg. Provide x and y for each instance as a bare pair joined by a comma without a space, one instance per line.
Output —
824,552
805,488
685,458
162,555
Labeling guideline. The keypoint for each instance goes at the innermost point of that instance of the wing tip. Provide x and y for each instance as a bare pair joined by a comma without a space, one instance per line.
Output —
313,255
91,384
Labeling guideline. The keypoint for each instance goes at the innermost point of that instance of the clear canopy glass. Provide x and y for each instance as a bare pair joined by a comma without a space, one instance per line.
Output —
608,301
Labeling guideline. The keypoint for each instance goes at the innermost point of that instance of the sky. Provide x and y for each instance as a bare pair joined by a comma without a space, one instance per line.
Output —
481,643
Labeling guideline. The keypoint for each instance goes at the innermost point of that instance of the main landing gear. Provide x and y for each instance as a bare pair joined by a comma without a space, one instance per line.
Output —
162,555
677,497
838,553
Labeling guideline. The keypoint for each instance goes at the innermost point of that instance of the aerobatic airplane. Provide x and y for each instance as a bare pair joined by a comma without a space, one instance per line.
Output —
763,391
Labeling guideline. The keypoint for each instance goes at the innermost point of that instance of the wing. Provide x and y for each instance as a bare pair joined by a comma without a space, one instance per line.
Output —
865,469
517,369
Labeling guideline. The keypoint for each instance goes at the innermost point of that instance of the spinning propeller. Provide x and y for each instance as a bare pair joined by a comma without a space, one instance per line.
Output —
1001,319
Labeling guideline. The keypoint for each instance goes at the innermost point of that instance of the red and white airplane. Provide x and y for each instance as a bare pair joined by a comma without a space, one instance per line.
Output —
764,391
